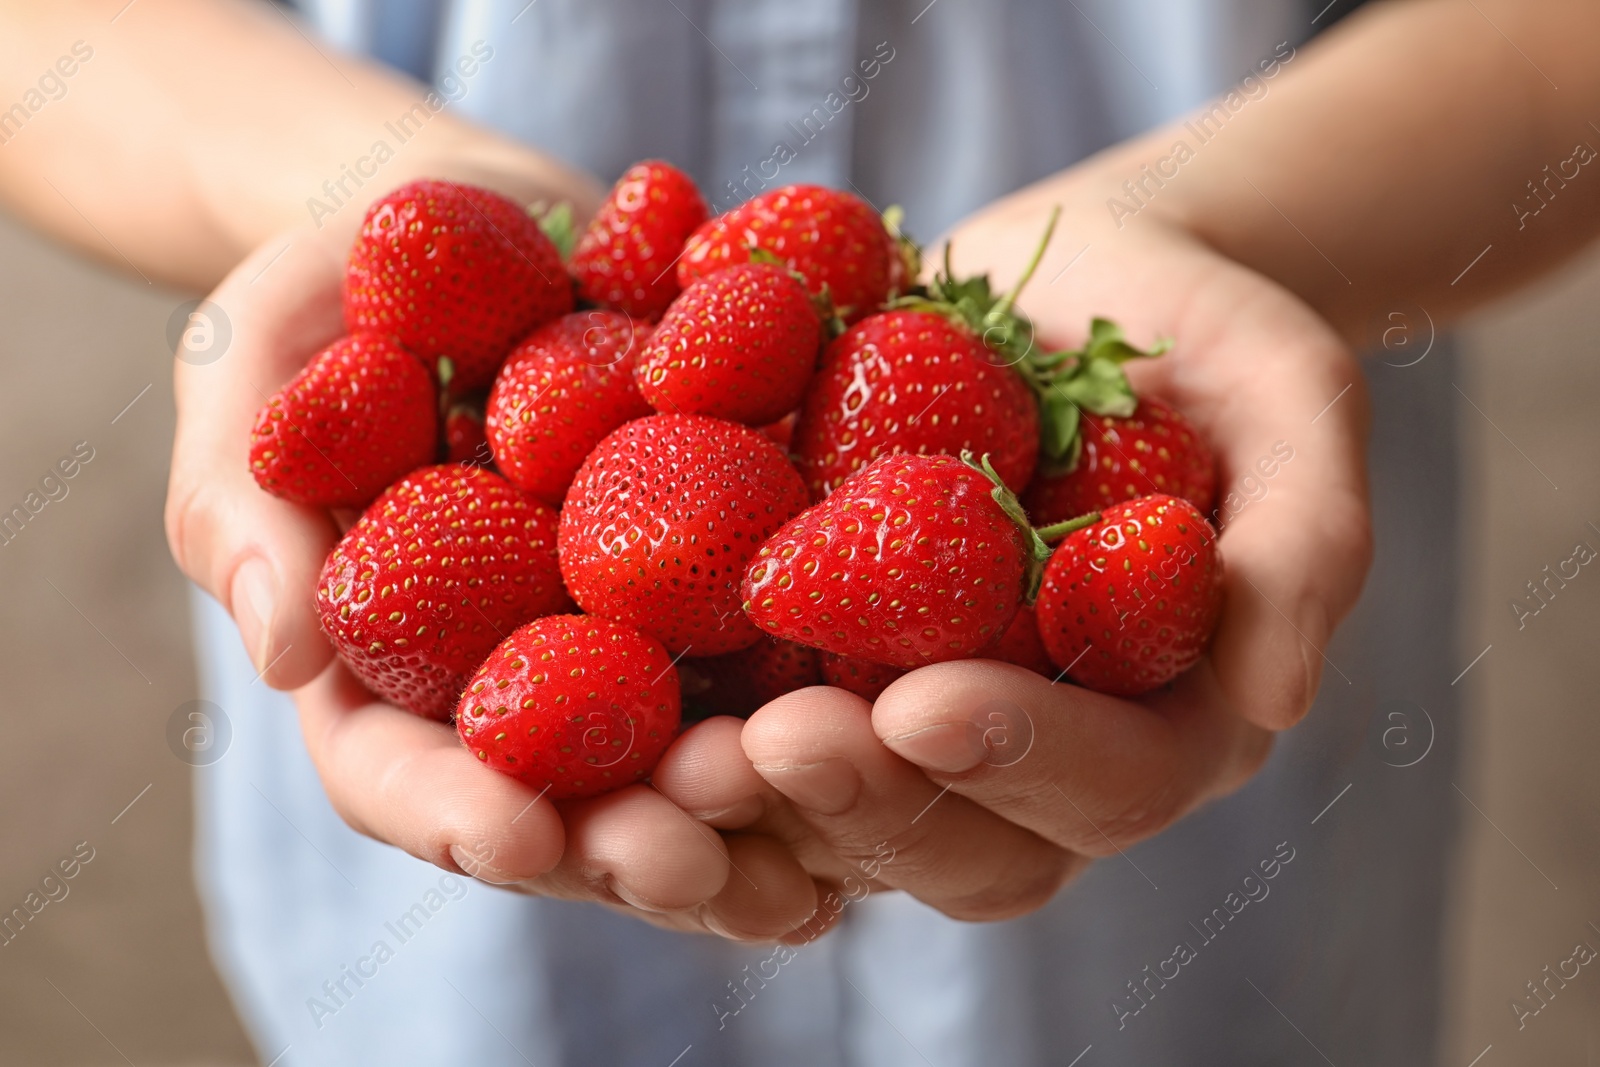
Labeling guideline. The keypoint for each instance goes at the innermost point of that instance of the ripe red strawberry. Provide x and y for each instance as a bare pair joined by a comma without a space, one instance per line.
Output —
359,415
454,272
1021,645
739,345
662,519
833,238
626,257
739,683
575,704
464,438
1154,450
441,567
914,381
1130,602
782,431
916,560
560,392
863,678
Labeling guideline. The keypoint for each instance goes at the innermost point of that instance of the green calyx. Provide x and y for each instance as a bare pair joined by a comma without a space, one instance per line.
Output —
1037,542
1038,551
821,302
1065,381
559,225
909,251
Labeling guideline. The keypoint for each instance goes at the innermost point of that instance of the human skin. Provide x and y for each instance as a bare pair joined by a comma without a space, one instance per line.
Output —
1394,145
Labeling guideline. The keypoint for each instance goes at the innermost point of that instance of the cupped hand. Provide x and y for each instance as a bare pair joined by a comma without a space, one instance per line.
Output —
992,786
410,782
389,774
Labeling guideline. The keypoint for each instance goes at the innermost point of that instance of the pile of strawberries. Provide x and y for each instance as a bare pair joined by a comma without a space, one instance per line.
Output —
692,464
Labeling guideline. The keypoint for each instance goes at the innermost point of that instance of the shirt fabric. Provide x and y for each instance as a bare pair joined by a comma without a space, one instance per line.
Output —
342,951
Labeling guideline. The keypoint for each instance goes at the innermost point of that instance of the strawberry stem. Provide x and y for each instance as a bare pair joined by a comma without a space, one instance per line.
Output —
1001,310
445,368
1057,531
1038,551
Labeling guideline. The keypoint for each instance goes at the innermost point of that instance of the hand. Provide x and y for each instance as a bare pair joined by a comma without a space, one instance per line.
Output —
1076,774
389,774
410,782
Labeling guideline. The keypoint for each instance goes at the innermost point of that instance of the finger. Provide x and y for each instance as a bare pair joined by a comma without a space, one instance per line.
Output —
409,782
768,896
1295,560
258,555
885,817
636,847
1284,406
1089,772
707,773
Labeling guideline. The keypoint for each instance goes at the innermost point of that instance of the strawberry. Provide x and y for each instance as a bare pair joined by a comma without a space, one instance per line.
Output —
865,679
441,567
464,438
782,431
1019,644
355,418
562,390
626,257
739,683
916,560
834,239
572,704
913,381
1022,645
1130,602
663,517
455,272
739,345
1152,450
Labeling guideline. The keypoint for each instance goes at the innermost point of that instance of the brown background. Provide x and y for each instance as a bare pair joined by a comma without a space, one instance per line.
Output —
92,668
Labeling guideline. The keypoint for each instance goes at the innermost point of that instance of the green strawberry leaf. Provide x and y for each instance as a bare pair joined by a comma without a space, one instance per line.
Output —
1065,381
1058,425
561,227
1100,386
1108,342
1089,378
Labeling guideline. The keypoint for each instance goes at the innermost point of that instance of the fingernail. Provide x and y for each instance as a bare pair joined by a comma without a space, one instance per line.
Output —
475,868
950,747
253,599
827,788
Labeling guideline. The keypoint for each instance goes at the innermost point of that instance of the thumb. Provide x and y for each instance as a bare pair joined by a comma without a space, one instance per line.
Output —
259,556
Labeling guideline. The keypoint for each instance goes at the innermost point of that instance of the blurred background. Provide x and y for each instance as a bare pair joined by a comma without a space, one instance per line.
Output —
95,667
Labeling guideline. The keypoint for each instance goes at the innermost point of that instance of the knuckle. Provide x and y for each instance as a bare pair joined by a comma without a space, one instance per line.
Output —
1130,820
